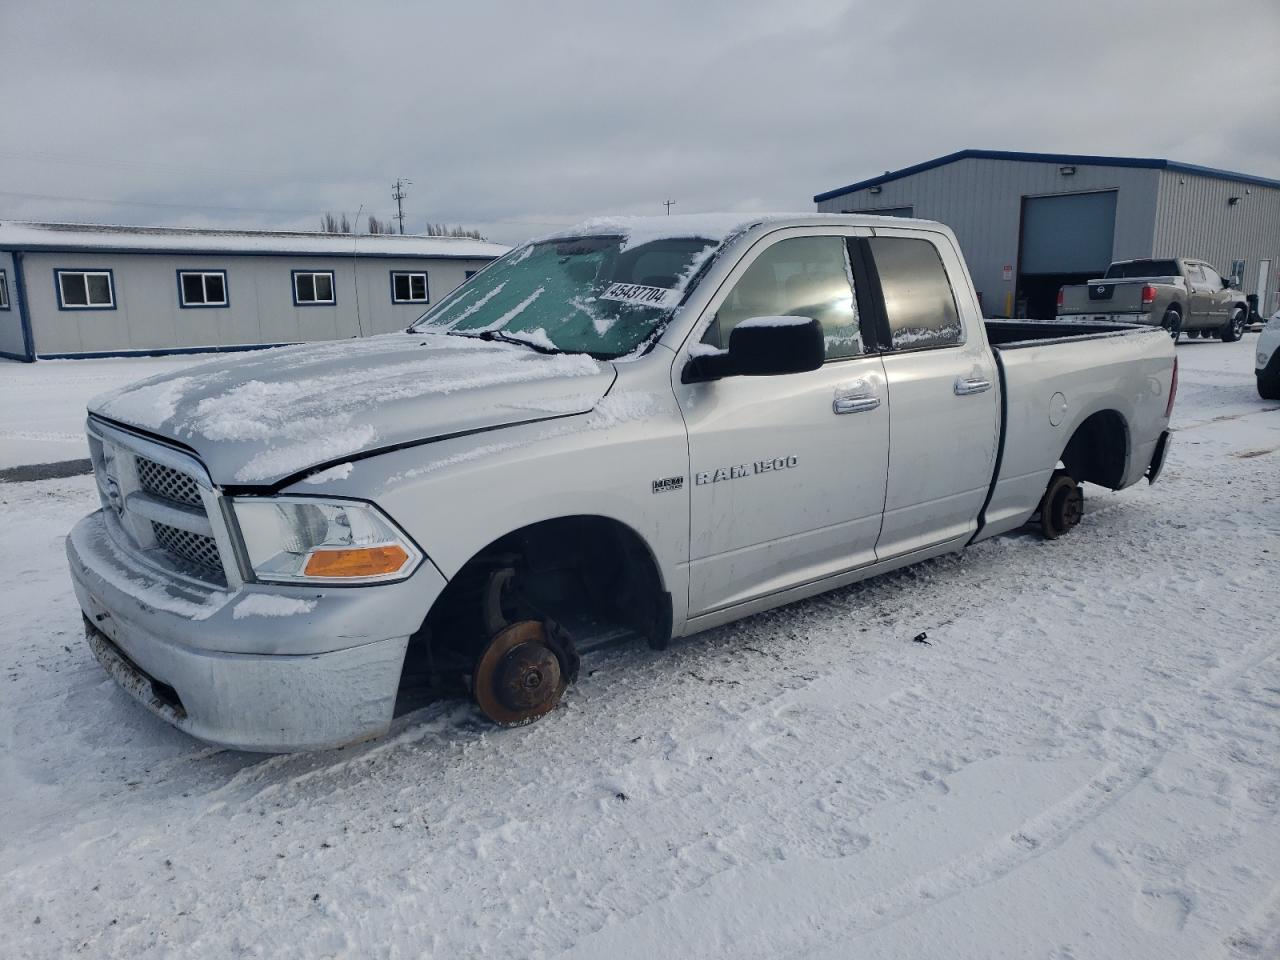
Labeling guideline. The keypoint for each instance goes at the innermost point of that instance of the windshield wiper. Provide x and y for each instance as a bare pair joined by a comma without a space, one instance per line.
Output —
490,335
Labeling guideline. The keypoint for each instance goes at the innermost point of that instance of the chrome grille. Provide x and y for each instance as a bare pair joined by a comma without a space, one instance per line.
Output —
192,547
168,483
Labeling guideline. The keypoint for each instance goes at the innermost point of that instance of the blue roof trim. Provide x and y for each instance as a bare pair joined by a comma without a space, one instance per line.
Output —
1083,160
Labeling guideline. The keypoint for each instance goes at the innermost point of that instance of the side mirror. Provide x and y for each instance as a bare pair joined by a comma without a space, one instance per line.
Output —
1229,282
763,347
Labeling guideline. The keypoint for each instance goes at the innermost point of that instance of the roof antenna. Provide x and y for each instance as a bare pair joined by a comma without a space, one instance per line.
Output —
668,204
355,275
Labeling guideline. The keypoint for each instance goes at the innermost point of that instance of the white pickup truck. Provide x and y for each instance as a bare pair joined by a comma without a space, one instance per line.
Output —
633,429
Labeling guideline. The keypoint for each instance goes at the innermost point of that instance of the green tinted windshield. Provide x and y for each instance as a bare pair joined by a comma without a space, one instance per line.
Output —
595,295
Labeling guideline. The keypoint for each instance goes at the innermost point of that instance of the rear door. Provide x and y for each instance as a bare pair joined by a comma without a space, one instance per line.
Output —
787,472
943,391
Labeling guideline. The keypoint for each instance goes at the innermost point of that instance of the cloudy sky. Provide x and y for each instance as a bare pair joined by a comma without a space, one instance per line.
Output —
520,117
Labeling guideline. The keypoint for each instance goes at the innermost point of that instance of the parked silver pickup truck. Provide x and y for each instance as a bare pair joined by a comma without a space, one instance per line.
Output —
1182,296
632,429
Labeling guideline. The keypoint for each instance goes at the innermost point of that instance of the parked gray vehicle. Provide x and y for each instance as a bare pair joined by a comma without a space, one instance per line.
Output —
1180,295
631,430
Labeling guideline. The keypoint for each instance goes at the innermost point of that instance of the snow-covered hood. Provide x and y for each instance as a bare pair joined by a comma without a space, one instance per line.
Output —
263,417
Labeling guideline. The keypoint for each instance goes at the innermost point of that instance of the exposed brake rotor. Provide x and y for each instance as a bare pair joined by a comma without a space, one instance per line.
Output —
521,674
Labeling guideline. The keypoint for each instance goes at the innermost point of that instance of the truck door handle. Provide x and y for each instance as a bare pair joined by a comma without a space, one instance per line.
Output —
855,404
971,385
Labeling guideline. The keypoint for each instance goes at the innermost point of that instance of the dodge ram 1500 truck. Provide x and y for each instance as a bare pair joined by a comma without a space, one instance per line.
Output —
632,429
1182,296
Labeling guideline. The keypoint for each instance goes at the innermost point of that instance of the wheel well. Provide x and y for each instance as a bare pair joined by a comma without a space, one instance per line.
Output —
1099,450
1175,305
593,575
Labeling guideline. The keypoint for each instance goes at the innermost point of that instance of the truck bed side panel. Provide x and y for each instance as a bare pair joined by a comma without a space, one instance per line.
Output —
1129,374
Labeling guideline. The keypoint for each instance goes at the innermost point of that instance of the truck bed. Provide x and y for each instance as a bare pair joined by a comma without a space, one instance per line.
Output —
1012,334
1050,370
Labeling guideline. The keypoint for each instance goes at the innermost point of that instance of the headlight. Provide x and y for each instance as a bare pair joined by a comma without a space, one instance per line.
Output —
292,539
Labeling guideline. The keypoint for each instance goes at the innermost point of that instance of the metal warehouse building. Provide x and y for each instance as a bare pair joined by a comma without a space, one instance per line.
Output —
74,290
1031,222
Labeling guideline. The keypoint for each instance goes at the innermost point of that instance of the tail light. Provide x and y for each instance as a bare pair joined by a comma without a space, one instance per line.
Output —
1062,297
1148,295
1173,390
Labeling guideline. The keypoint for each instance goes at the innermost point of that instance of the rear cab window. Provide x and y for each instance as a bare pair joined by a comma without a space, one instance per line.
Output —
919,302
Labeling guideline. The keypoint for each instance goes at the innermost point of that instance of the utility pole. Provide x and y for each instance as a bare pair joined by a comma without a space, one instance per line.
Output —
668,204
397,194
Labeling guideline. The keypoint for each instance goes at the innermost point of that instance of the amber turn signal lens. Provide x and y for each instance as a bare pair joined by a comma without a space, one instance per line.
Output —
358,562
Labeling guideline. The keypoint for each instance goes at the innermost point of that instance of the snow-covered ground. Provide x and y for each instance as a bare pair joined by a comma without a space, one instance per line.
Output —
42,404
1084,762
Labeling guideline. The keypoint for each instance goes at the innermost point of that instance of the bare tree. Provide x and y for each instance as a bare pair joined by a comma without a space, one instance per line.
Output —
445,230
331,224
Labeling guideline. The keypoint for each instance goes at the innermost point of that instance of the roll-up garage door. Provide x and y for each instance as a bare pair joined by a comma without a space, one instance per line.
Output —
1070,233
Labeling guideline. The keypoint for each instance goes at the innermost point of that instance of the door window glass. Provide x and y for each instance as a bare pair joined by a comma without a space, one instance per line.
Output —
800,277
918,300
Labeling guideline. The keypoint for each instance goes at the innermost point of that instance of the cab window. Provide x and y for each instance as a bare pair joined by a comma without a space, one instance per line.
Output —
800,277
918,301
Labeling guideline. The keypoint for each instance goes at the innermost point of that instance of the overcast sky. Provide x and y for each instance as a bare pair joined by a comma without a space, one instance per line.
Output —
520,117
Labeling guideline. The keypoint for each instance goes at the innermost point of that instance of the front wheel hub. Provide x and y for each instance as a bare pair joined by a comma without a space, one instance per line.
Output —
518,676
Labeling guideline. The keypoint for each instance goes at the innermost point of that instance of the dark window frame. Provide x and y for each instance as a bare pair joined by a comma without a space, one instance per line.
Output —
426,286
6,302
333,288
59,272
182,292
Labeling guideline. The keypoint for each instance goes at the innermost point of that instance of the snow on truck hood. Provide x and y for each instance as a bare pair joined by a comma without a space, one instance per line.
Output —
263,417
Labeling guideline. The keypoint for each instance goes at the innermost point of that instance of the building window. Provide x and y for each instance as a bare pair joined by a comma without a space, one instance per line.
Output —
408,287
202,288
312,289
4,291
85,289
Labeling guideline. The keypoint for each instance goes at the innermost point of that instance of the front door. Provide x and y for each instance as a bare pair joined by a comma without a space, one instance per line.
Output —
1264,274
944,393
788,472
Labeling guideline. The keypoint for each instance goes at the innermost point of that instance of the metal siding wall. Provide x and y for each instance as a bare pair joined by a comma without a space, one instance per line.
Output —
148,315
11,341
981,200
1195,220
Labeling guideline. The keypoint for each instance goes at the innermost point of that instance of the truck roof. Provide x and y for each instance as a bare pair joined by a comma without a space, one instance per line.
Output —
717,226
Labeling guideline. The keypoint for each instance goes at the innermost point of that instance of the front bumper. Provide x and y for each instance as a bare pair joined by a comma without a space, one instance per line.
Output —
323,677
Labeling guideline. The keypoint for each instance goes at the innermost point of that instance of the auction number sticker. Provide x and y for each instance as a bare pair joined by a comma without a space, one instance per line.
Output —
640,294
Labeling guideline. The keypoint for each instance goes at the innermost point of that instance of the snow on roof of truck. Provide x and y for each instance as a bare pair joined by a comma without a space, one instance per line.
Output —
708,226
109,238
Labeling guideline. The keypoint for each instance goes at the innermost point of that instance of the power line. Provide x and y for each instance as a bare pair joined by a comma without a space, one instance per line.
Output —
169,205
153,203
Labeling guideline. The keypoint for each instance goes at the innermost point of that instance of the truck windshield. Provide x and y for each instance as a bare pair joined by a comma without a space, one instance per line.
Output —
596,295
1142,268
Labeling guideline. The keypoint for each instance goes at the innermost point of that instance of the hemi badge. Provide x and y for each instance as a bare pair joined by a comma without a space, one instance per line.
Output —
670,483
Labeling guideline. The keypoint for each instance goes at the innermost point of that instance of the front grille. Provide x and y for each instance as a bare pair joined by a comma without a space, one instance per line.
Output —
192,547
166,482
